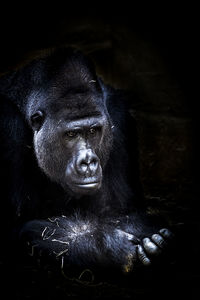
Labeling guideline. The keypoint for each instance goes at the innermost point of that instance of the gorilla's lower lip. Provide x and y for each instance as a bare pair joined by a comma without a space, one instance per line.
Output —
88,185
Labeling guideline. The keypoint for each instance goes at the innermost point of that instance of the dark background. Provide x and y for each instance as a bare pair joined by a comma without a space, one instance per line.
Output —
152,52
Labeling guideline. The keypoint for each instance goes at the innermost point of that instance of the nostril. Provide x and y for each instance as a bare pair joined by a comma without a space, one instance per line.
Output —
93,163
93,166
83,167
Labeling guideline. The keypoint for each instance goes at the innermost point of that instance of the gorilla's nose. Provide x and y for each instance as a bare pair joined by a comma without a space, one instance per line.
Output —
87,163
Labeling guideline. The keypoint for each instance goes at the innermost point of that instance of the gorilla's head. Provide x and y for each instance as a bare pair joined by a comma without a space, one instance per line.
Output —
70,121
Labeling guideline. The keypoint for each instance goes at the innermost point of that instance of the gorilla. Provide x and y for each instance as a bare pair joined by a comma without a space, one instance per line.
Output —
69,169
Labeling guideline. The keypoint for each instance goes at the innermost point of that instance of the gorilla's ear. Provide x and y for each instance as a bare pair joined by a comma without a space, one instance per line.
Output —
36,120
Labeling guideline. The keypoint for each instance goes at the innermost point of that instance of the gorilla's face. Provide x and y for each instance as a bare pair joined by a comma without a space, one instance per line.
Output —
72,140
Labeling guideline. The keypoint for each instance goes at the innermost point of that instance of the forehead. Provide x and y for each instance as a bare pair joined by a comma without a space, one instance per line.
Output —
69,103
75,103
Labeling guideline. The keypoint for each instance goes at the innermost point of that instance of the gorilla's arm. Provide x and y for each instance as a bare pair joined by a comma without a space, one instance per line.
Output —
82,242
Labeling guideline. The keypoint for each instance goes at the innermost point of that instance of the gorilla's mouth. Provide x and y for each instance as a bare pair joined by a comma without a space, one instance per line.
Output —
85,187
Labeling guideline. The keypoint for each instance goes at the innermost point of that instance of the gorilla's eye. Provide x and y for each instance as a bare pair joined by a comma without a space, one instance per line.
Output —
92,130
71,133
37,119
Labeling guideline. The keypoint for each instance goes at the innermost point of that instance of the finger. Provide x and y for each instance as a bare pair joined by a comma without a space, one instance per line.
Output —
166,233
159,240
150,247
127,235
142,256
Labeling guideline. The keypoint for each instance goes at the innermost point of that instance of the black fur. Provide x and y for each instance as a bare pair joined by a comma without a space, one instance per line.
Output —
42,208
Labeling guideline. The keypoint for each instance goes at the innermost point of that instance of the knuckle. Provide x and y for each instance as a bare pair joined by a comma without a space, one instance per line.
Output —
158,239
150,247
142,256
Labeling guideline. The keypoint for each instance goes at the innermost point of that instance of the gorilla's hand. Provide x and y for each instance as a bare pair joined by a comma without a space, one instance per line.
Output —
154,246
144,251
